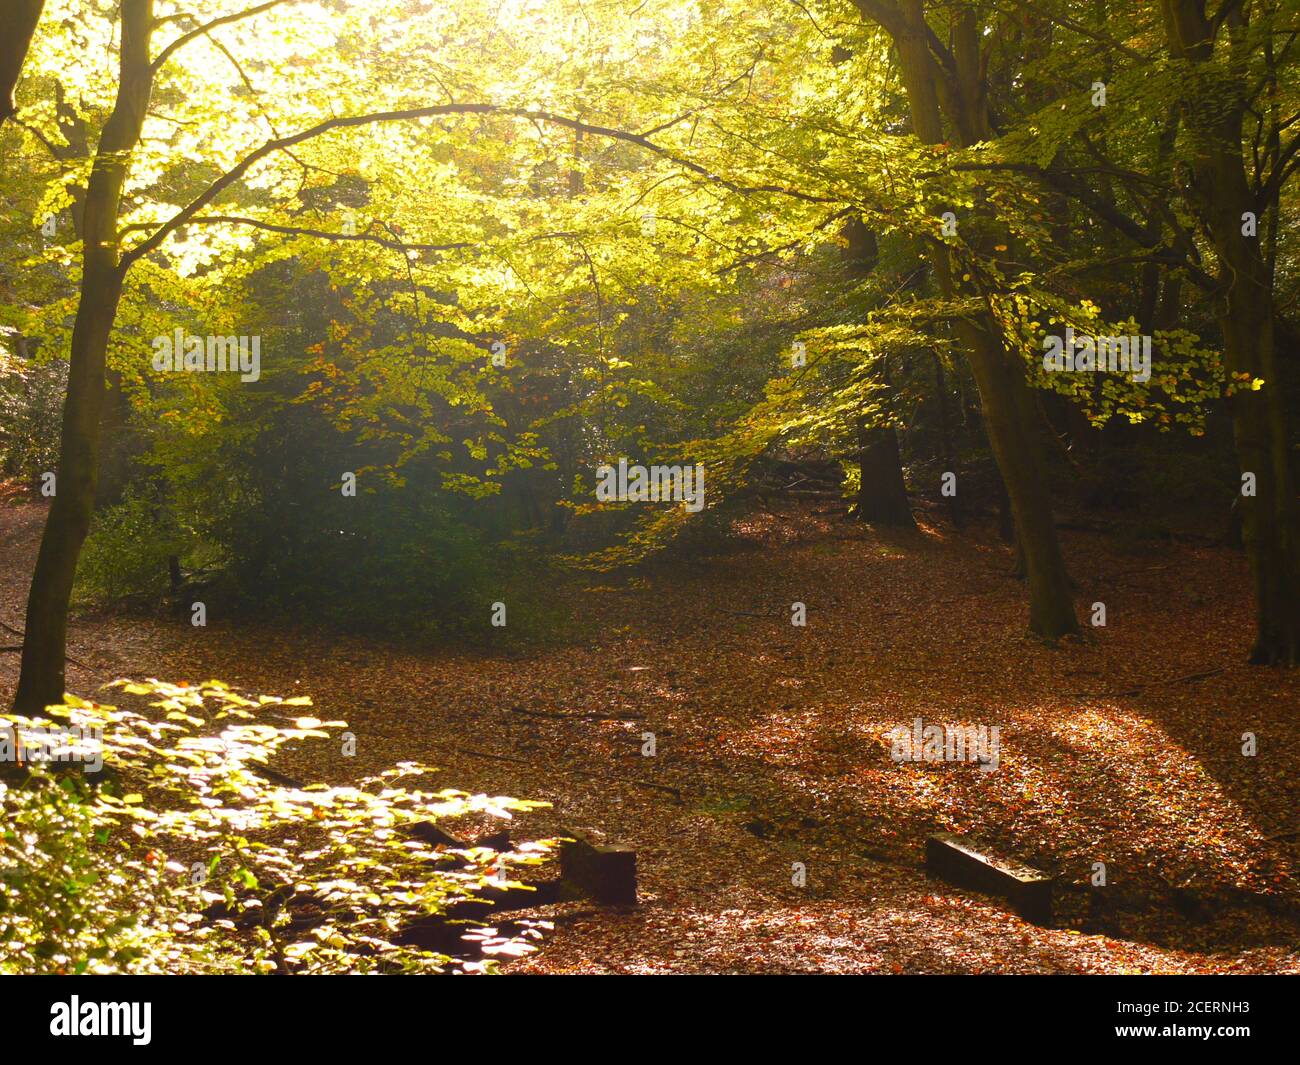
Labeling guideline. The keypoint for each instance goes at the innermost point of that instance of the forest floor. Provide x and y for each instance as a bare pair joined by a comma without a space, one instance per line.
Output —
1124,747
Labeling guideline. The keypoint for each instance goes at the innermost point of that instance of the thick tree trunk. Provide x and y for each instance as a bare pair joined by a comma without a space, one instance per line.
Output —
41,682
882,495
1268,518
1221,194
1018,453
22,17
1005,397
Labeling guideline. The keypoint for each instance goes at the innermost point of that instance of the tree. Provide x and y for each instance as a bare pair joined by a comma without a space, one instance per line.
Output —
21,17
41,681
943,84
106,262
748,139
1230,62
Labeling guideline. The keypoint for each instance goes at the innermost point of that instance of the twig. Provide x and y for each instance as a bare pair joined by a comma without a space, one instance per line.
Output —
591,716
564,918
1148,569
19,632
275,776
1152,684
74,661
676,793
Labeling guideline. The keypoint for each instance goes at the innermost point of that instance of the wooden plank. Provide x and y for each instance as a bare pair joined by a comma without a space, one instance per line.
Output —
961,863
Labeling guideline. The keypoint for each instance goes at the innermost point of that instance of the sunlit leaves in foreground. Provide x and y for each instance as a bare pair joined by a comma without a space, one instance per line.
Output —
181,856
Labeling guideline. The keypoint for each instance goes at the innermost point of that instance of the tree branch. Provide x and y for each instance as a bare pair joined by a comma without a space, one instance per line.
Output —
1103,209
301,231
1281,171
186,38
188,213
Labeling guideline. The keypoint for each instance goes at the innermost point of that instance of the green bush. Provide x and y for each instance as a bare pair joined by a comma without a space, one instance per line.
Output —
31,413
126,553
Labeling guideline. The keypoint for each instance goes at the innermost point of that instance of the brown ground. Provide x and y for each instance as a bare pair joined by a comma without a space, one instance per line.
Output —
774,737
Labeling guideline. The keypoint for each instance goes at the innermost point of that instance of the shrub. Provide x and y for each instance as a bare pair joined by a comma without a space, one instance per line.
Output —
126,553
31,415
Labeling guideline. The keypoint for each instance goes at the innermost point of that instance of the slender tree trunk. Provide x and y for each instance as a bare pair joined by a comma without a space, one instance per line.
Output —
945,434
116,448
1268,518
882,492
1006,519
41,682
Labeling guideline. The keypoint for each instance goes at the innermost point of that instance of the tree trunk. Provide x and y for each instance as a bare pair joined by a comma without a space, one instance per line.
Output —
882,495
1268,518
1221,194
1006,519
41,682
1019,457
117,448
1005,397
22,16
945,435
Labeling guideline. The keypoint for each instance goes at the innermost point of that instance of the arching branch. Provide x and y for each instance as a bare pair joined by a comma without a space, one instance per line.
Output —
200,31
226,180
302,231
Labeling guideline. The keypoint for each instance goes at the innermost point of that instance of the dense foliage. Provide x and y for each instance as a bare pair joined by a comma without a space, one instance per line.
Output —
486,248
